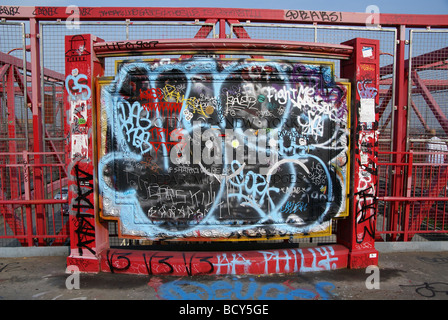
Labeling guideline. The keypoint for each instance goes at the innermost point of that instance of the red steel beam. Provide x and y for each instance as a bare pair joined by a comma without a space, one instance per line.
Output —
241,33
432,103
242,14
36,107
16,62
203,32
3,70
419,115
431,84
433,58
116,48
400,126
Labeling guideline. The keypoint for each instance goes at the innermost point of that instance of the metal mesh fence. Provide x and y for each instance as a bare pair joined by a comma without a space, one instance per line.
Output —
428,103
15,117
338,35
428,78
52,58
428,131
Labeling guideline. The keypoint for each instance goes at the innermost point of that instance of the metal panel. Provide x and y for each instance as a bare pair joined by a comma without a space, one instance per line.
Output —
223,149
335,35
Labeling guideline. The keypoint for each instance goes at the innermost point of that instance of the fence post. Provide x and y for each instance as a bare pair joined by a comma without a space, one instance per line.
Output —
82,67
27,191
357,232
407,204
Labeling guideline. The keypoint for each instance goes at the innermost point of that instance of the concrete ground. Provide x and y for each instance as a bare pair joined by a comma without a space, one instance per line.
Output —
400,276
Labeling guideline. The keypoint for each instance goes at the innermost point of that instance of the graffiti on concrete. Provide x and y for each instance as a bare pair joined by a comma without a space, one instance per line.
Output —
236,289
223,148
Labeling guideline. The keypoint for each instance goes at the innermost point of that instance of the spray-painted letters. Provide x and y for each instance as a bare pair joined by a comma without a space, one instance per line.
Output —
223,148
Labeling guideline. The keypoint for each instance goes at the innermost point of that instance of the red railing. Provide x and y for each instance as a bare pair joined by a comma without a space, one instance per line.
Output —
408,203
422,205
33,201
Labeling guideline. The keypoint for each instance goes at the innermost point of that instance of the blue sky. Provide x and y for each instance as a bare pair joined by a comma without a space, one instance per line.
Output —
385,6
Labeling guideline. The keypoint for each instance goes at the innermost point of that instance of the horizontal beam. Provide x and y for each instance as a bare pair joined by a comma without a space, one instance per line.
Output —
248,46
9,59
192,13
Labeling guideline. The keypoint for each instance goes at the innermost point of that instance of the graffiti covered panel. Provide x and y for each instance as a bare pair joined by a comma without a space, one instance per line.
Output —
222,148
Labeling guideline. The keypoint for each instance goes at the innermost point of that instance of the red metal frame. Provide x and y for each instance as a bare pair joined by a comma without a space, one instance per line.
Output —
221,17
406,225
89,233
228,46
357,232
17,162
256,15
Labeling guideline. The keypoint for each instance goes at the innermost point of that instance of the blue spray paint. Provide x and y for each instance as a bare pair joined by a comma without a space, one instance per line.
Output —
232,198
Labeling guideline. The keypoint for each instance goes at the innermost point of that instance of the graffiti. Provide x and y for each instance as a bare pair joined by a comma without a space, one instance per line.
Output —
367,142
76,86
364,91
434,260
177,12
231,139
77,51
83,206
429,290
128,45
9,10
221,263
79,93
308,15
7,267
45,11
236,289
365,214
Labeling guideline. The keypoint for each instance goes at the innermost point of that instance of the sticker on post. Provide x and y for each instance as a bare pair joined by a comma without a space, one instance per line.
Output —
80,146
367,110
367,52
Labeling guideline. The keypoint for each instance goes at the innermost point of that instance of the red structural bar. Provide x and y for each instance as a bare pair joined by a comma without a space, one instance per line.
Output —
431,102
11,60
431,59
222,45
223,262
294,15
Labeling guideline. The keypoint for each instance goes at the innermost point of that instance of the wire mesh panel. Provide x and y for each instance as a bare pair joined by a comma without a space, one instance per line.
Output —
338,35
14,114
53,64
428,130
387,38
428,78
170,30
273,31
26,216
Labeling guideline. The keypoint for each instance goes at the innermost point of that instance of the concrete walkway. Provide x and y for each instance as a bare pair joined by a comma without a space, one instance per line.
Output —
413,275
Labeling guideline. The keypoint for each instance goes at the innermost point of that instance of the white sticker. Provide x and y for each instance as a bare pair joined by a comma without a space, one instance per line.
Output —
80,146
367,52
367,110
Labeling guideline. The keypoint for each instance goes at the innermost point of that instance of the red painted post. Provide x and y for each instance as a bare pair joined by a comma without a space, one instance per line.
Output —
38,140
400,129
357,232
87,237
